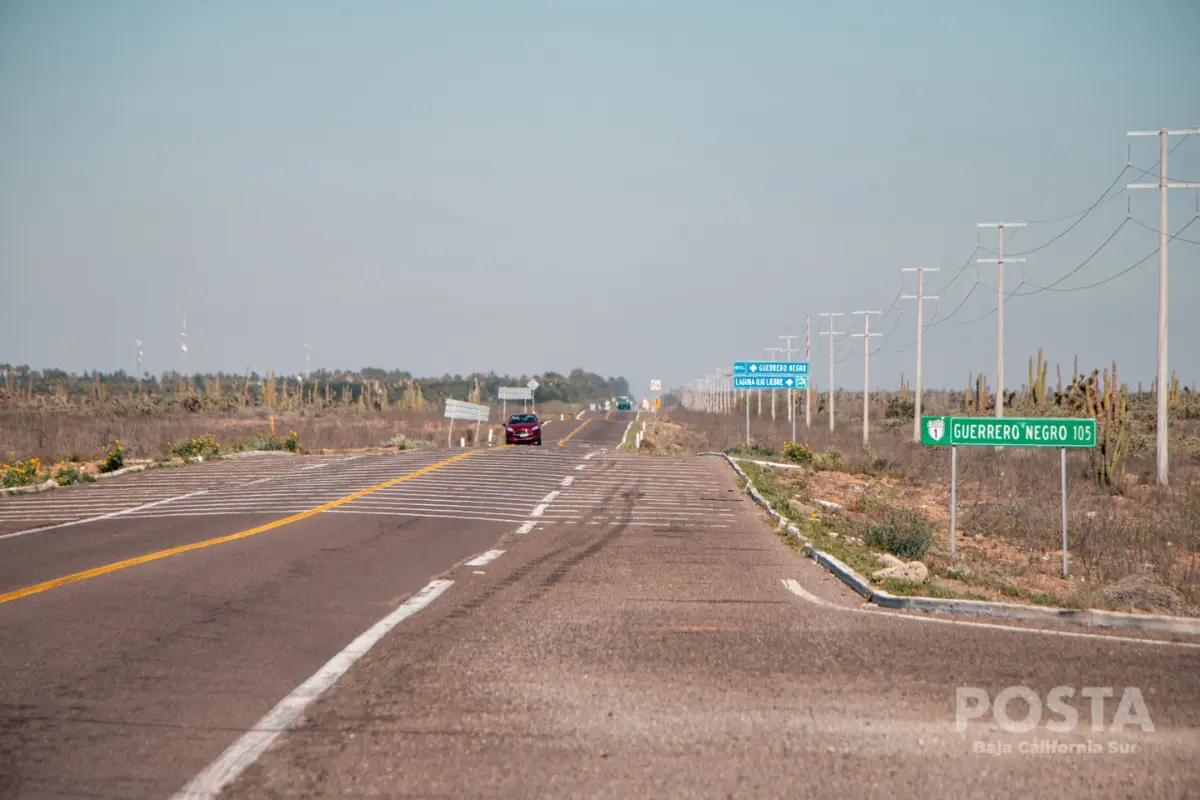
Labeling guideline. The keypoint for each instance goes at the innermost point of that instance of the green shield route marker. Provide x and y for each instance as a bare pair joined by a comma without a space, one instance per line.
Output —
955,432
1007,432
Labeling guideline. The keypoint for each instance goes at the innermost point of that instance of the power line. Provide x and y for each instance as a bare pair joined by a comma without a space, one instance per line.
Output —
1038,290
1176,237
935,322
1142,174
1086,261
1104,198
887,337
1130,268
961,270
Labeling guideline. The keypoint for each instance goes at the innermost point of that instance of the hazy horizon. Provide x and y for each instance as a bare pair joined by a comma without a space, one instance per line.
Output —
646,192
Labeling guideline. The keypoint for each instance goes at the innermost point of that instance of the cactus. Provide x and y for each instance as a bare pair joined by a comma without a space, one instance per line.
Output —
1037,379
1173,395
981,393
1108,405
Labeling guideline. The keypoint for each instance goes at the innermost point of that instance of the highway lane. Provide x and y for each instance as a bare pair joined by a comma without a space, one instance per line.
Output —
150,488
686,660
180,625
606,625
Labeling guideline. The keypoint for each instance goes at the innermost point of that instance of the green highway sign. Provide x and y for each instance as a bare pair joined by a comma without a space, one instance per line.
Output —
1007,432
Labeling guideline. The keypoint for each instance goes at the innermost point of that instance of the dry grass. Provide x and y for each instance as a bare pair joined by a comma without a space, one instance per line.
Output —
55,436
1139,550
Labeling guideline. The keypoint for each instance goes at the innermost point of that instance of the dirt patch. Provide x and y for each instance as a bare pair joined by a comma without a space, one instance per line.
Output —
1001,554
665,438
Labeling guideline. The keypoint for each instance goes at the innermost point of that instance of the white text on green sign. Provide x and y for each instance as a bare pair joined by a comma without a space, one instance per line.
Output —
1007,432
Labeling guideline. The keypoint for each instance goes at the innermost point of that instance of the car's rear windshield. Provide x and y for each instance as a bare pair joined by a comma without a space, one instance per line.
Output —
522,418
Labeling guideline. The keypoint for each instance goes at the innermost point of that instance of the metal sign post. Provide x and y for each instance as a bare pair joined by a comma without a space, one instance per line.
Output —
789,375
748,423
457,409
1064,434
532,385
507,393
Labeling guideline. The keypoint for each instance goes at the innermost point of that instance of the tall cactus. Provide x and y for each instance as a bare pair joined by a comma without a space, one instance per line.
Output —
1173,395
1037,379
1109,406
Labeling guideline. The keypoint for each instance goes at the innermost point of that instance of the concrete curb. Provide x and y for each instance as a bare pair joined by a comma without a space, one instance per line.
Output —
761,463
41,487
1014,611
118,472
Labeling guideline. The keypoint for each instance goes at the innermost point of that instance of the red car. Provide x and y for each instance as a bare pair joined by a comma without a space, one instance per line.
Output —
523,428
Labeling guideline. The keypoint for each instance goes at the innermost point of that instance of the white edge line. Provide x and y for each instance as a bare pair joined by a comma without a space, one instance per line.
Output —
260,480
795,588
110,515
581,466
525,528
550,497
252,744
568,480
538,510
625,435
484,558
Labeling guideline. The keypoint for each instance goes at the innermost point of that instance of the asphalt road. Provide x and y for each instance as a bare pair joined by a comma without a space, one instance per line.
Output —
599,624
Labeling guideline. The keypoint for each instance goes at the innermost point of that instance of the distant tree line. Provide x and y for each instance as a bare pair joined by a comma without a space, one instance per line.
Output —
370,387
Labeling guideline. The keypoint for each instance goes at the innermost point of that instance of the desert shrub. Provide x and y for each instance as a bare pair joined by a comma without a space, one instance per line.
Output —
751,451
114,457
830,460
67,474
266,441
797,452
402,442
20,473
205,446
903,533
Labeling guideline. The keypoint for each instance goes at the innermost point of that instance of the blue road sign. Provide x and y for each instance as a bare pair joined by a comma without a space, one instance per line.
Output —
770,381
770,368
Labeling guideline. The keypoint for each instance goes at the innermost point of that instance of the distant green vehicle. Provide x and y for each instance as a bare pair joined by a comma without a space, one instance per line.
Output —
624,404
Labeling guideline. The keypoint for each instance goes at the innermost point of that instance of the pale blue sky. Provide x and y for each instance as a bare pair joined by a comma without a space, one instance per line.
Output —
646,189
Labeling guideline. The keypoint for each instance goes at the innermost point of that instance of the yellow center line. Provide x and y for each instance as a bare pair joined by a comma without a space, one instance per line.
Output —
607,414
563,440
46,586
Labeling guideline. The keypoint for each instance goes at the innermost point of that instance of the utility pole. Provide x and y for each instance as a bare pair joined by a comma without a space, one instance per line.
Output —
807,390
791,396
183,346
920,297
831,333
1000,305
866,337
1160,385
774,353
307,361
138,343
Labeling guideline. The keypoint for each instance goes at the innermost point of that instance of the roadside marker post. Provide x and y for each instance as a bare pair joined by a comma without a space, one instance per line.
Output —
1062,433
